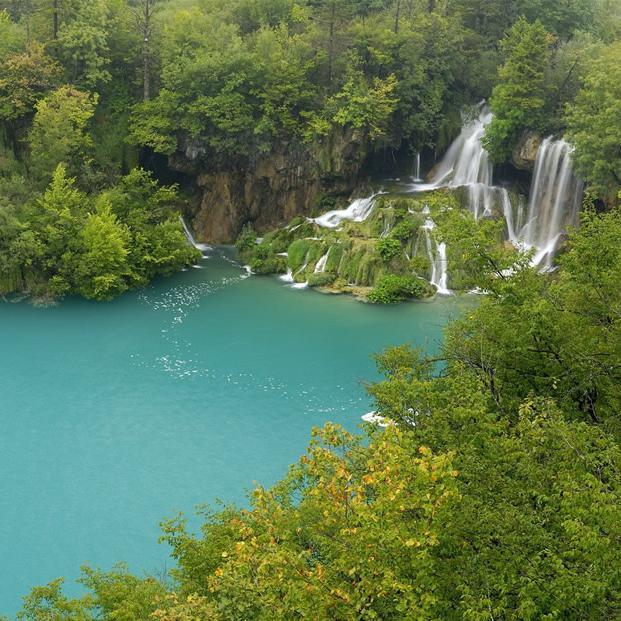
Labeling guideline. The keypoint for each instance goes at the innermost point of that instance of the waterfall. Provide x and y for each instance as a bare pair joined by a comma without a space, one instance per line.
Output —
554,203
466,164
416,172
507,210
358,211
203,248
320,268
437,260
288,277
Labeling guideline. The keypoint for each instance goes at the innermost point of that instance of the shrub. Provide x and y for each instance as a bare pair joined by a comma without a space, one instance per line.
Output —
405,229
271,265
388,248
246,239
391,289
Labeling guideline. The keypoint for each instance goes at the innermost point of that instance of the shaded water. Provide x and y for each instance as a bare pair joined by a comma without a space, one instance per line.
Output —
117,415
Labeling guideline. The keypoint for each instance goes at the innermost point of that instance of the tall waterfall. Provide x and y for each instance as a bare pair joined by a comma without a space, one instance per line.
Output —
416,171
554,204
466,164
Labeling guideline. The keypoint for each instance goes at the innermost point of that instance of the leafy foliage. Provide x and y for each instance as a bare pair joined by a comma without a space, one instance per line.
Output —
519,100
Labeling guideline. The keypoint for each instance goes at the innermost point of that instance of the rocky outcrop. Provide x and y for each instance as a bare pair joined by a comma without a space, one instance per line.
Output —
273,189
525,152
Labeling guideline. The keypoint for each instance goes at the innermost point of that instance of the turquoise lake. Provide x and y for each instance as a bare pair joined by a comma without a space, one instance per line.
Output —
115,416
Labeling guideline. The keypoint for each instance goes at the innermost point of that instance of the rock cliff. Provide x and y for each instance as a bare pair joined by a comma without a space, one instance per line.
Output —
272,189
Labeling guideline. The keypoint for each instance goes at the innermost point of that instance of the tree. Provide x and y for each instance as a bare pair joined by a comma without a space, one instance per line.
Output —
82,43
594,126
519,100
144,12
25,78
101,268
59,132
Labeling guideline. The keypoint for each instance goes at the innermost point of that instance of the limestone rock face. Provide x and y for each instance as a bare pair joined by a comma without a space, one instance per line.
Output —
525,152
273,189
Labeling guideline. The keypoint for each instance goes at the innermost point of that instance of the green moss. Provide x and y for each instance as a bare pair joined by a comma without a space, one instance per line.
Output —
334,258
297,253
323,279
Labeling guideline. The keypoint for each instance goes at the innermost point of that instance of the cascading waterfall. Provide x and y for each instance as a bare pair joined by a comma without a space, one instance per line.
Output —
555,194
203,248
554,203
437,258
358,211
467,165
320,268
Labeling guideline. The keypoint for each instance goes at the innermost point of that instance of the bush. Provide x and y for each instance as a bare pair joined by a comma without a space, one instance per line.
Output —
271,265
322,279
405,229
389,248
247,239
391,289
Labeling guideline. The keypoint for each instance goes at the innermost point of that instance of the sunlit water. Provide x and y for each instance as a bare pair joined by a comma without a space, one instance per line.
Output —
115,416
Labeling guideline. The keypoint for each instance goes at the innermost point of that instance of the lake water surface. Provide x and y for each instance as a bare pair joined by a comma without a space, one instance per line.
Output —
114,416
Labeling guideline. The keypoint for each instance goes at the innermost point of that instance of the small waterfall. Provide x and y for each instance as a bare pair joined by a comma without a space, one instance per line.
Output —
320,268
358,211
288,277
554,203
437,260
416,172
507,210
203,248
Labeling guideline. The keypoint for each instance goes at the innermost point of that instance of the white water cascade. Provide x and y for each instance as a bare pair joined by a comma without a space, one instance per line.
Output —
416,172
320,268
358,211
203,248
467,165
437,260
554,203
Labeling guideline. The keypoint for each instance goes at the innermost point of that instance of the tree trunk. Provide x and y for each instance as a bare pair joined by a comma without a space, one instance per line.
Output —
397,16
55,19
331,42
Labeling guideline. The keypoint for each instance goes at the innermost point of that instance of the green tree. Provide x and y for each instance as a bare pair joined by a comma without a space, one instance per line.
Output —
519,100
25,78
594,125
60,132
101,267
82,43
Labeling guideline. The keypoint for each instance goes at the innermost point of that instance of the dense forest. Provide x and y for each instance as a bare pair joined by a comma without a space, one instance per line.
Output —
494,489
103,100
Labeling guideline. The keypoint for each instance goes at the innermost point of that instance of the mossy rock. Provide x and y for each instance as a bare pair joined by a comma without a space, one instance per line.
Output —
297,252
322,279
